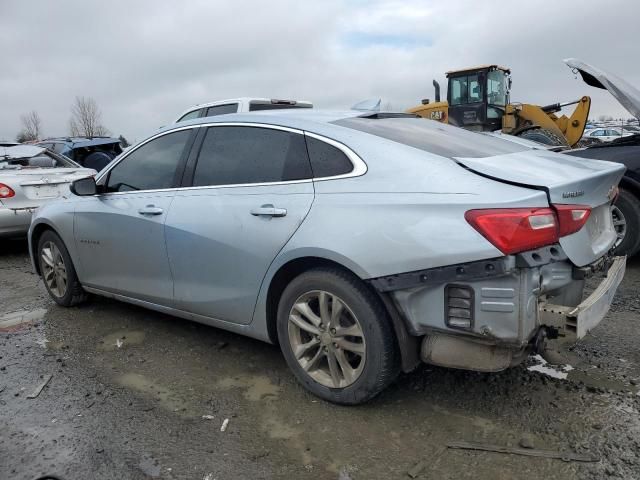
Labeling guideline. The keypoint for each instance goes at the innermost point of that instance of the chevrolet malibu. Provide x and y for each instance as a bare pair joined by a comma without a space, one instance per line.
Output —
361,244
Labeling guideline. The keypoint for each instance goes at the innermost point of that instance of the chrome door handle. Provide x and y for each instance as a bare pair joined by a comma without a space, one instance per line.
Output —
150,210
269,211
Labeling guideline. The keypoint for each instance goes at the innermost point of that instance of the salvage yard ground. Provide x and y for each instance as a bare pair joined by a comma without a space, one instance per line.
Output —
135,394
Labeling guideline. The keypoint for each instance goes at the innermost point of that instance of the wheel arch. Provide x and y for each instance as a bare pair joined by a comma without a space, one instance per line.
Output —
631,185
36,232
408,345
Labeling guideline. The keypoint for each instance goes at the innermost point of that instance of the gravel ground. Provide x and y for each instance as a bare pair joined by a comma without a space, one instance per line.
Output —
136,394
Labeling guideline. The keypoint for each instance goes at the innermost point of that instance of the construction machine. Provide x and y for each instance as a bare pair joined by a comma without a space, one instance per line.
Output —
478,99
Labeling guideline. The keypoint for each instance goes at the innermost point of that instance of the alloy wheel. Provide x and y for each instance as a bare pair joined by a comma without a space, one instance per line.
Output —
54,270
326,339
619,224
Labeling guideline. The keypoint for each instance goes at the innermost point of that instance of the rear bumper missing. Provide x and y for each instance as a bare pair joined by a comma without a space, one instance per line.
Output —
510,304
575,322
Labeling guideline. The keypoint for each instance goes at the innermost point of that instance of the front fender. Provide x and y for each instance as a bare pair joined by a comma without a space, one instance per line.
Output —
59,217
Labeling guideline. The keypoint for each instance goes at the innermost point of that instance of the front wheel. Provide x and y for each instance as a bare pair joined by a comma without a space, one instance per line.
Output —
336,337
57,271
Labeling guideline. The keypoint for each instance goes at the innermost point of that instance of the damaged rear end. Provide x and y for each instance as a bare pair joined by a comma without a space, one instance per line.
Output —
497,311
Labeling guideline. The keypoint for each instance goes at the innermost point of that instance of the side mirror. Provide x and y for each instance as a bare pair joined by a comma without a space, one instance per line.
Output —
84,187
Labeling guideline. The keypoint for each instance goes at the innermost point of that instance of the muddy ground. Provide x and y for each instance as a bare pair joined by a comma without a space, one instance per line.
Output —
135,394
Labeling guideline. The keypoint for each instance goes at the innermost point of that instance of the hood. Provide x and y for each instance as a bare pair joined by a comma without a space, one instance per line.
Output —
626,94
20,151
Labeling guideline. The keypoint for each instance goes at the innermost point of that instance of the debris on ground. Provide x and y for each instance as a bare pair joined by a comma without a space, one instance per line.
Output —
224,425
417,468
39,388
555,371
526,442
208,417
530,452
344,474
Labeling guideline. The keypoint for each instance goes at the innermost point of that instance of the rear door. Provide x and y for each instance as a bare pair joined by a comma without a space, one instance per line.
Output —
119,234
251,190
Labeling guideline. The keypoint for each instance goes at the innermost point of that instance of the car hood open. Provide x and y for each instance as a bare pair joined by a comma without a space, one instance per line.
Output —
625,93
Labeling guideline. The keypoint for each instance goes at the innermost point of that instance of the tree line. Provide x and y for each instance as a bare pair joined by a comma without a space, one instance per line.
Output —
85,121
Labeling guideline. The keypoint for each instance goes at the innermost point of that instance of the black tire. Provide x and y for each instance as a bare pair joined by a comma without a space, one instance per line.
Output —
381,364
544,136
629,206
74,293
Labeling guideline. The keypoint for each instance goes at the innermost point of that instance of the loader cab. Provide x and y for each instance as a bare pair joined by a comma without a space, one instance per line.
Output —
478,96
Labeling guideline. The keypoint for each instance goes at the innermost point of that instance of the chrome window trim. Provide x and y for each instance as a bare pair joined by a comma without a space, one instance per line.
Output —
359,166
133,149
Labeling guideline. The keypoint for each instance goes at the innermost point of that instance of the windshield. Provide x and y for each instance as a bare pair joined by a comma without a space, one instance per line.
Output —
467,89
496,88
46,159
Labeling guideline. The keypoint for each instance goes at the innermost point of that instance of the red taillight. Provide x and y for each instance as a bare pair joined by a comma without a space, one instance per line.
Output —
514,230
571,218
6,191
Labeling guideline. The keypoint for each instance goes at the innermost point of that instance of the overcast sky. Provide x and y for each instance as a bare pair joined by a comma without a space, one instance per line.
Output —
146,61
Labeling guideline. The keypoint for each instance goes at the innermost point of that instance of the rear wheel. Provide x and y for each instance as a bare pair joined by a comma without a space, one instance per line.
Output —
336,337
57,271
544,136
626,221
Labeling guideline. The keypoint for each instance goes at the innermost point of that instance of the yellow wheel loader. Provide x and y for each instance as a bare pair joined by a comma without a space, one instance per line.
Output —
478,99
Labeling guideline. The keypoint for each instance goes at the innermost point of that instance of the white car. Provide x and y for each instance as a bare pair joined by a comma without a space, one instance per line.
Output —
605,134
239,105
29,177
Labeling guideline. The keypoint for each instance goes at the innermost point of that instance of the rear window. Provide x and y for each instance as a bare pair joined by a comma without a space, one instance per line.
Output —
255,106
43,160
433,137
221,109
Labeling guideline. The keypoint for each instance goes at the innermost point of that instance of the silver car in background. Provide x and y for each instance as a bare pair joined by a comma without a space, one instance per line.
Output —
30,176
361,243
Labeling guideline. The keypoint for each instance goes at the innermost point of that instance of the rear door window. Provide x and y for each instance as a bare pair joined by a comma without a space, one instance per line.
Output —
221,109
152,166
250,155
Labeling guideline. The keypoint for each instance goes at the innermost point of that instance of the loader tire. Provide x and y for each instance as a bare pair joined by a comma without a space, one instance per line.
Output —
544,136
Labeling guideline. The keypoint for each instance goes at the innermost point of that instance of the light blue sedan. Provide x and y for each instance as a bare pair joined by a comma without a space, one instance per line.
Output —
360,243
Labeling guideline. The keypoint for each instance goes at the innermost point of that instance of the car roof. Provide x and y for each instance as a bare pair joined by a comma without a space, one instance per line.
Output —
82,141
228,101
285,117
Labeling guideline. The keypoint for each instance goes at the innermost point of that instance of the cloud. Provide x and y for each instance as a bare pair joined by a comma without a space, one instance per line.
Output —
146,61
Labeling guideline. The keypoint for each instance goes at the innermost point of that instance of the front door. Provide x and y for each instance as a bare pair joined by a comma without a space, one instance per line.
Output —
253,192
119,233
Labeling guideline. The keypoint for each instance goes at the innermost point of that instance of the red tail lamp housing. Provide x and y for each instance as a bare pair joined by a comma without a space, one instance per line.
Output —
6,191
514,230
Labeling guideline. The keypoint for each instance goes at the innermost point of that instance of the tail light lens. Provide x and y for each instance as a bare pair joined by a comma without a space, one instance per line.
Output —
6,191
572,218
514,230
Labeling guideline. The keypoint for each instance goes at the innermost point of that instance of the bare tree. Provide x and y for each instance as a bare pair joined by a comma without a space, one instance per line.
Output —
31,127
86,119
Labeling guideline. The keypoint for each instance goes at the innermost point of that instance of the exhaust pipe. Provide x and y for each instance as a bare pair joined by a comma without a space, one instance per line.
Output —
436,85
